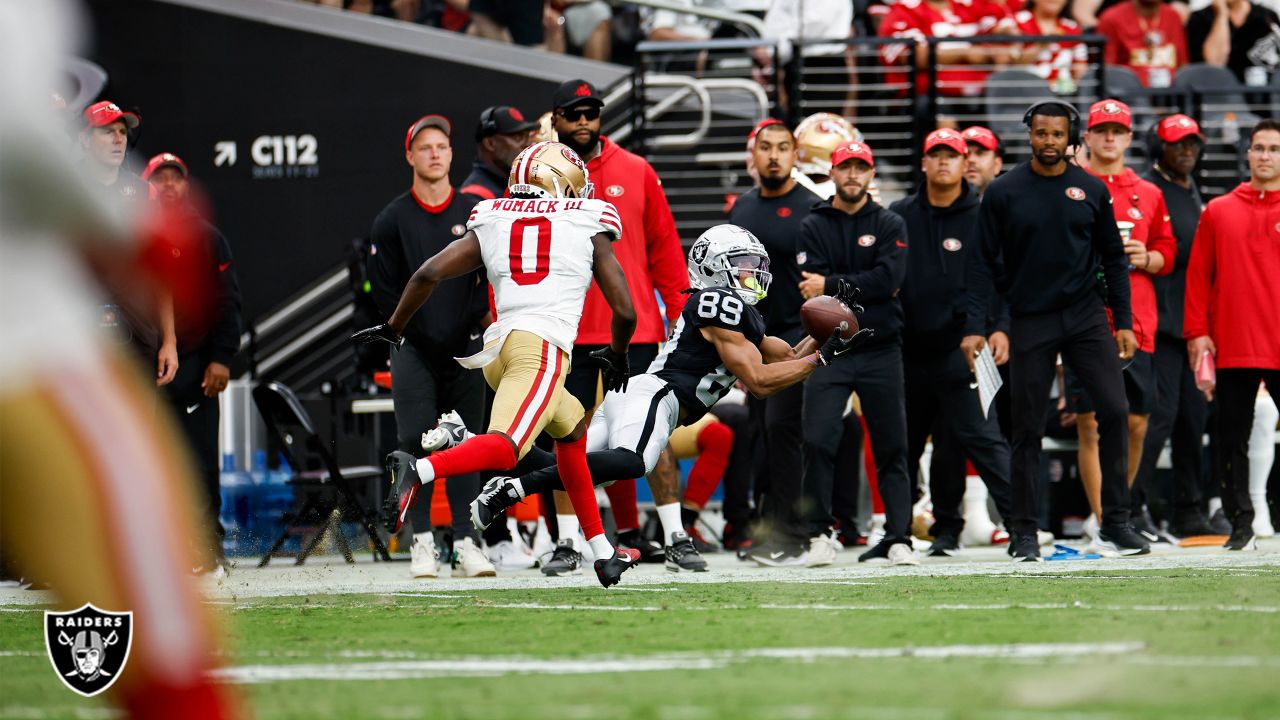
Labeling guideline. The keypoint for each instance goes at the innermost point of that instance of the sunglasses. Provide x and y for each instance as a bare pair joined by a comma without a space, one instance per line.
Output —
576,114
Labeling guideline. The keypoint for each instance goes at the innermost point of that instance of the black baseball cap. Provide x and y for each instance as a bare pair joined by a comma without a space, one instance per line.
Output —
575,92
502,120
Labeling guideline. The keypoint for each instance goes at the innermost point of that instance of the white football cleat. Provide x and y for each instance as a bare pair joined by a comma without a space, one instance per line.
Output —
511,555
423,556
448,432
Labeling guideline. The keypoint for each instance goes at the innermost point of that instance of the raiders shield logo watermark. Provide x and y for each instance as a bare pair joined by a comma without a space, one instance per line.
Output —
88,647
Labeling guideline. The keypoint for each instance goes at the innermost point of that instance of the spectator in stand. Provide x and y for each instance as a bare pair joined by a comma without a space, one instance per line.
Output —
787,20
1087,12
501,135
1237,34
921,19
985,159
1146,36
677,26
1061,63
513,21
1232,311
581,26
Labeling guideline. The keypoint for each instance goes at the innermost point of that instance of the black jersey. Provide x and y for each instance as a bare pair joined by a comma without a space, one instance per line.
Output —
689,363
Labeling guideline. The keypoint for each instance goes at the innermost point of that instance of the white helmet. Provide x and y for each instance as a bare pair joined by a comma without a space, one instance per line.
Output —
730,257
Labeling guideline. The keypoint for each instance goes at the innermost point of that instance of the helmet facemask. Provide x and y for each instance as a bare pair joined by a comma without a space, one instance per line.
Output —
750,273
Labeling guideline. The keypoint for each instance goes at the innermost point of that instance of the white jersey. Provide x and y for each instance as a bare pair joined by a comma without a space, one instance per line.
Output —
539,257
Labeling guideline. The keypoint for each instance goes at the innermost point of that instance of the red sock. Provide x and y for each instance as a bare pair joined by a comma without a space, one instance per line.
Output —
622,498
714,443
869,461
203,700
571,461
490,451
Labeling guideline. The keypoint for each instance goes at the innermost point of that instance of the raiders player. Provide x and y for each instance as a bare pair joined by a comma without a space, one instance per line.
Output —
718,340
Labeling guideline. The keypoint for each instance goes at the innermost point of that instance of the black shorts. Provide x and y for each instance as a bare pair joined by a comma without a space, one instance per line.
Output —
522,18
1139,387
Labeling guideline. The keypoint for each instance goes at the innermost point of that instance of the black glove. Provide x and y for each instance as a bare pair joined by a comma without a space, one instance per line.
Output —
378,332
835,346
848,294
617,368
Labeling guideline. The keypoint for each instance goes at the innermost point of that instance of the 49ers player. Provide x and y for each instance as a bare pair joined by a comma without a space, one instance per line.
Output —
540,248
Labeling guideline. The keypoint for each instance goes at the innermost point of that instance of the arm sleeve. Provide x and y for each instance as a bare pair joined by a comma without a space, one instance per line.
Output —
1161,237
1200,275
882,281
980,287
667,266
1115,264
224,337
387,271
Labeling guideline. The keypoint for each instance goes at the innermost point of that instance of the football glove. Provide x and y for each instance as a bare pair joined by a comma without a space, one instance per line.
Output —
848,294
617,368
835,346
378,332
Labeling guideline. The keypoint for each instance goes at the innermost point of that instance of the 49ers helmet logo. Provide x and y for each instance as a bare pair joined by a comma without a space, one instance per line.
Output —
1075,193
572,157
88,647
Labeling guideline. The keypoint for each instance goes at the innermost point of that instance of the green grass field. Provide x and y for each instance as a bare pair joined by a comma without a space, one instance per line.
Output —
1183,642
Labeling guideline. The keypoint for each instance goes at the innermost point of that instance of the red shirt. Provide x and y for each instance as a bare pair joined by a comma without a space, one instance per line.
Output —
1144,45
1052,58
1137,201
649,251
1232,292
918,20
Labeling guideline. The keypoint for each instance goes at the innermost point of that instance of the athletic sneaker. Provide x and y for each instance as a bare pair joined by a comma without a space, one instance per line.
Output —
682,555
497,495
1190,524
778,554
1120,540
423,557
1090,527
468,558
879,553
650,551
823,550
945,545
564,561
1242,540
902,554
1146,527
448,432
735,537
1024,548
404,489
609,572
1219,522
511,555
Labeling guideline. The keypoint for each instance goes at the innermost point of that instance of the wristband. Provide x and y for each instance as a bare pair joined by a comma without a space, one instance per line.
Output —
811,359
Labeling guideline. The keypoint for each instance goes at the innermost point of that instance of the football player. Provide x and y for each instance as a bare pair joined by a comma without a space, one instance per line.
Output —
718,341
540,248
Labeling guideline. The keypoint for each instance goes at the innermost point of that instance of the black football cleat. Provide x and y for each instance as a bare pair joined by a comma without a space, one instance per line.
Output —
497,495
650,551
682,554
404,489
610,571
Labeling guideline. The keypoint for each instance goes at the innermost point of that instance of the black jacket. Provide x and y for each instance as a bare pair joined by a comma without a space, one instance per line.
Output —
867,249
1185,206
484,181
934,298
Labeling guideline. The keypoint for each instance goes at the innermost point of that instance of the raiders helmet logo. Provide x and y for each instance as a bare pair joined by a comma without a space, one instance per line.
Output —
88,647
457,230
867,240
1075,193
951,244
614,191
802,257
784,212
1135,213
698,253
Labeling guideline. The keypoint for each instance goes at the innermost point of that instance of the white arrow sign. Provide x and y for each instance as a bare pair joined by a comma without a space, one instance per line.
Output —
224,153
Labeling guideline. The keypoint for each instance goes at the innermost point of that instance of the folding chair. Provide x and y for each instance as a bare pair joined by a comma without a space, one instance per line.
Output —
322,485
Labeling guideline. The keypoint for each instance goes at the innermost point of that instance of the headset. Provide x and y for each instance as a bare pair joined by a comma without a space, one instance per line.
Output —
1073,118
1155,146
488,124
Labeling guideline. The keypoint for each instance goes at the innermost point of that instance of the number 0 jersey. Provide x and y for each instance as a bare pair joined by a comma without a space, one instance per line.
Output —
690,364
539,257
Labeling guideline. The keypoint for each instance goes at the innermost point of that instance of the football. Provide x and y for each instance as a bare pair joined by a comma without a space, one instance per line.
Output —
824,314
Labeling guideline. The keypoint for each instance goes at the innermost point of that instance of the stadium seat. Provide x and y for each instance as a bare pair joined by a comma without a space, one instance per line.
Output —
1123,84
1223,109
321,486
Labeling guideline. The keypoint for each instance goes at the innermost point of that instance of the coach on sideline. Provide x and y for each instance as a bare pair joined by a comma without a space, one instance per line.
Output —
501,134
1043,229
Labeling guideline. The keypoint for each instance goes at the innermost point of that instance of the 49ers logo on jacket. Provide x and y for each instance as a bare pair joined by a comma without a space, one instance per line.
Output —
1075,193
1135,213
784,212
867,240
457,230
614,191
951,244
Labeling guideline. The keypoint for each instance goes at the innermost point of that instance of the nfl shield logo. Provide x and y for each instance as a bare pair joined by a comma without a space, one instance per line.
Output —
88,647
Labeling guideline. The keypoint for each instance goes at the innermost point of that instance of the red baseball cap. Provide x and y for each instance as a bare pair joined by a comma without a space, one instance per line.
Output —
982,136
1176,127
107,112
767,122
164,160
946,137
439,122
1110,111
852,150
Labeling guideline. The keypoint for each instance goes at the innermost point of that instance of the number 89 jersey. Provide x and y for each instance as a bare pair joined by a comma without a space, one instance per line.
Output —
539,257
690,364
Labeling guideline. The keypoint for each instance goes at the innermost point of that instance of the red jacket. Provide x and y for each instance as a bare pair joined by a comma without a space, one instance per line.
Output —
1137,201
649,251
1232,292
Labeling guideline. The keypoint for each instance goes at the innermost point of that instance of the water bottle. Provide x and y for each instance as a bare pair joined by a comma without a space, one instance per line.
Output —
1230,129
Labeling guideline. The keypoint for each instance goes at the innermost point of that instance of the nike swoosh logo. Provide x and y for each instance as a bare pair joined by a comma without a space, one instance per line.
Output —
776,555
223,267
900,243
192,408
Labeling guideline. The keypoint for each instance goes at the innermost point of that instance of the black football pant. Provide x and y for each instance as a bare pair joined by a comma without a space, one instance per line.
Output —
1083,337
875,373
197,417
1181,415
1236,394
940,401
422,390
